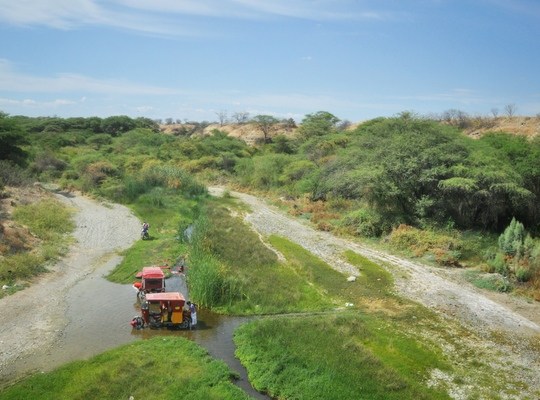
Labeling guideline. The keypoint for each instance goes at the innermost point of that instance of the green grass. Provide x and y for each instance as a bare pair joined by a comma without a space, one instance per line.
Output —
159,368
227,255
164,246
340,356
493,282
47,219
374,280
51,222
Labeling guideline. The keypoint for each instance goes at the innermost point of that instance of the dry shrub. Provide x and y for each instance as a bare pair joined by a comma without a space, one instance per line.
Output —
15,240
304,205
325,226
99,171
295,211
535,286
340,204
445,248
315,207
323,216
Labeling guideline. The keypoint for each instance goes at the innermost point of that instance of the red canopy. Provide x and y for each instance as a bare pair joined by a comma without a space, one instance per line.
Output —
152,273
165,296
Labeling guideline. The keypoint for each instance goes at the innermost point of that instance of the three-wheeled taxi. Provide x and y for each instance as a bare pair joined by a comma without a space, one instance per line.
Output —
164,310
152,281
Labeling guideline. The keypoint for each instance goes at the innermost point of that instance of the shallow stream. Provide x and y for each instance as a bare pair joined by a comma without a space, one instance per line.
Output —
99,313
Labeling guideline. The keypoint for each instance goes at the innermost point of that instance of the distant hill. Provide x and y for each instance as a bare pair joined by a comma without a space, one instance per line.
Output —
523,126
472,126
246,131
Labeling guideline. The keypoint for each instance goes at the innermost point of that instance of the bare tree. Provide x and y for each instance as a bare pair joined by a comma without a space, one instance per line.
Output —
495,112
222,116
510,109
169,121
241,117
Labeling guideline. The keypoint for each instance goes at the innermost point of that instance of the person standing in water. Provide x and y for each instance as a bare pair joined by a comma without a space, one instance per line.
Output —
193,312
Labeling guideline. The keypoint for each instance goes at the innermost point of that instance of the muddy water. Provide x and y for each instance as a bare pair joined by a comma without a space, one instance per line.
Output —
98,319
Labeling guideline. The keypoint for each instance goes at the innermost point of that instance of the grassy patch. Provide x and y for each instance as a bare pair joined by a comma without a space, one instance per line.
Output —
47,219
50,222
494,282
164,247
303,357
242,275
372,290
160,368
374,280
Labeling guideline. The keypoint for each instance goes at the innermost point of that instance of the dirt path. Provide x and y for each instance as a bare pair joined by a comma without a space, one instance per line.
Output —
33,319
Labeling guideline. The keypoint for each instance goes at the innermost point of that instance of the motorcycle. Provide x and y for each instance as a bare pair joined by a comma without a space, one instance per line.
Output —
144,234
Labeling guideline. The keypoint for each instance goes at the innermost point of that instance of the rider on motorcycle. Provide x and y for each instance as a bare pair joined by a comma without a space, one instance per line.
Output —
145,228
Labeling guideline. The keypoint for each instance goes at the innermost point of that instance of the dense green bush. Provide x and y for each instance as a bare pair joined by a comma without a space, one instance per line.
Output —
12,140
363,222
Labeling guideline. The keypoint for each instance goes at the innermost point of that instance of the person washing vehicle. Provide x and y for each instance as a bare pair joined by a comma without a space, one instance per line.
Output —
193,312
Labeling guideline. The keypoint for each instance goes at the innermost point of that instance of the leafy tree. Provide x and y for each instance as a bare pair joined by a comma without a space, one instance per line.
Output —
116,125
94,124
147,123
282,144
266,124
318,124
524,156
11,140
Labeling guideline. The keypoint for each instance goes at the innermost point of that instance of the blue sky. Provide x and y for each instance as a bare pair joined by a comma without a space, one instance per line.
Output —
192,59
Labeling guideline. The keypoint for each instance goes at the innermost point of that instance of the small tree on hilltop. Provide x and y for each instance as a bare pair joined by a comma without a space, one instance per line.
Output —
240,117
222,116
266,124
318,124
510,109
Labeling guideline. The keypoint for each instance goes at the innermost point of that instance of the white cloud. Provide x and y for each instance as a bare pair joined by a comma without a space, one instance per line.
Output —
459,95
144,109
61,14
14,81
170,17
32,103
